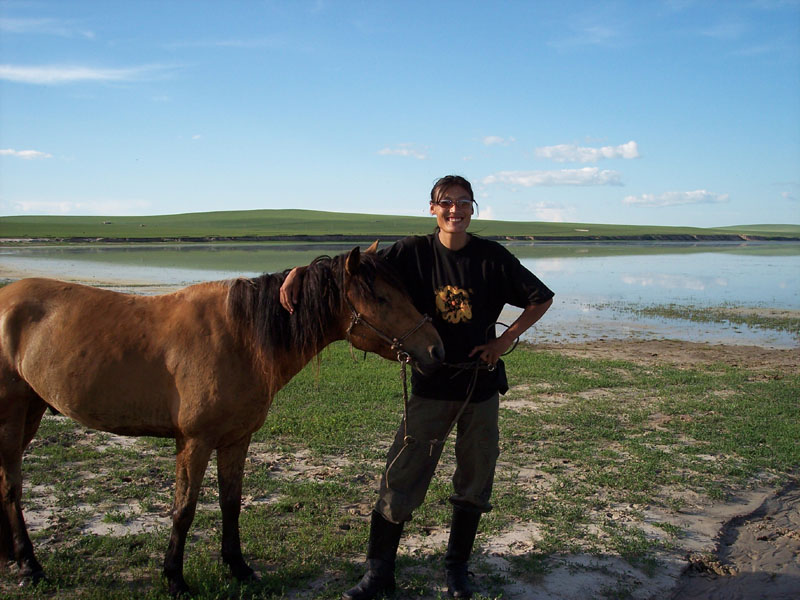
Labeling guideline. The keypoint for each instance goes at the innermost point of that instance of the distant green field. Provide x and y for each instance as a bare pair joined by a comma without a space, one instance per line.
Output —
292,223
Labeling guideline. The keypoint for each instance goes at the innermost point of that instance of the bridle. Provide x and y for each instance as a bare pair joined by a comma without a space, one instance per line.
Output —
395,343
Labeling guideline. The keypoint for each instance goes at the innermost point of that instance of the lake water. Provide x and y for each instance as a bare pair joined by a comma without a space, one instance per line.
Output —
595,284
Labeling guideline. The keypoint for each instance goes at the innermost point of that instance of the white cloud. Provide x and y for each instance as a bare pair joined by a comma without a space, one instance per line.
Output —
496,140
55,74
81,207
25,154
403,150
788,196
44,27
589,31
252,43
580,177
725,30
676,198
582,154
550,212
484,212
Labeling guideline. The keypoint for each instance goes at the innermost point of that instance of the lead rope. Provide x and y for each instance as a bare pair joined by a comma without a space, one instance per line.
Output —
476,366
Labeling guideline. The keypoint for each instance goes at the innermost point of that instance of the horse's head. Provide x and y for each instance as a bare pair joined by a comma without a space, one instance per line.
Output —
382,317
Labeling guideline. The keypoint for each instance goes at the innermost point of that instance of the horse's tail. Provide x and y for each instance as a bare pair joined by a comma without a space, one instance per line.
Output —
21,406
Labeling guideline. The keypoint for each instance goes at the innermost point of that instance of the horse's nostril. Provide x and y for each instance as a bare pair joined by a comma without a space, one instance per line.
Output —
436,352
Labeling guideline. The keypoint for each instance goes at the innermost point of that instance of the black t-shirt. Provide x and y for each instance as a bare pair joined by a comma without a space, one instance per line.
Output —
464,292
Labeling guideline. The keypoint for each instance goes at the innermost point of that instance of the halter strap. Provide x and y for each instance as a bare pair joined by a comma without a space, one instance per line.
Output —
395,343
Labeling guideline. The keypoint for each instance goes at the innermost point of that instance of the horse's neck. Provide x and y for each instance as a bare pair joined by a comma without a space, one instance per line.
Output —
283,370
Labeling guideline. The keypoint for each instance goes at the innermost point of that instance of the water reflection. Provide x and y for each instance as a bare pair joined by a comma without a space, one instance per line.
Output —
671,281
593,293
591,281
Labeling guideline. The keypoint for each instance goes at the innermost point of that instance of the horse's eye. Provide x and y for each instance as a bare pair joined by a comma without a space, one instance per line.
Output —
382,300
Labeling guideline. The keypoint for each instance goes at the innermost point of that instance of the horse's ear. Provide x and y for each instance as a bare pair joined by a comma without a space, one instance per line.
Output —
373,248
352,261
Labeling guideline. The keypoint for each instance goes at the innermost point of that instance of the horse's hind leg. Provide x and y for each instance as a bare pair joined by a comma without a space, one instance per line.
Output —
230,470
20,415
190,467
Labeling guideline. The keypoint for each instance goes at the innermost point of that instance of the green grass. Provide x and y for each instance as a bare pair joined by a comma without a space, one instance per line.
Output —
295,222
752,317
607,437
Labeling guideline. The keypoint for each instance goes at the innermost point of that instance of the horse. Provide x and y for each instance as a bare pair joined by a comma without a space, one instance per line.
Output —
200,365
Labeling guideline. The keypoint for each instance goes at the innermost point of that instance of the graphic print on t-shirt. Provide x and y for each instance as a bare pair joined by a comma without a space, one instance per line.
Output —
453,304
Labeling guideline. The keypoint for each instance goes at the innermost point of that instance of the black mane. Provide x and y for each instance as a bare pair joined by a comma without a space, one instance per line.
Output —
254,304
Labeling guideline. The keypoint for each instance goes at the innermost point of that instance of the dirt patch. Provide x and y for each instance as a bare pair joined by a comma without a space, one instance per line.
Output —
682,354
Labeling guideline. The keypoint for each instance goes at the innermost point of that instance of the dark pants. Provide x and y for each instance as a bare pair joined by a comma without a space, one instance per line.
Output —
410,467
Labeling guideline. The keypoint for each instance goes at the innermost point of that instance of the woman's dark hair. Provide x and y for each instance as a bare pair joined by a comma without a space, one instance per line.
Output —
448,181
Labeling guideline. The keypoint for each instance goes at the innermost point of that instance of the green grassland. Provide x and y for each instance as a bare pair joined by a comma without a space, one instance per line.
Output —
605,437
294,223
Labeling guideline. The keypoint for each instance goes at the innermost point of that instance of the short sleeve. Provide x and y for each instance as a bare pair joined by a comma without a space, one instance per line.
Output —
522,288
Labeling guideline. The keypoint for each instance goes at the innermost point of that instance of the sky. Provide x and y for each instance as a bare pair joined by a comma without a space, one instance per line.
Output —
642,112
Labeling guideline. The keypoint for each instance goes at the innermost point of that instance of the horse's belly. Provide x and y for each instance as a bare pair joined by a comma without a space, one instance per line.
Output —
124,418
124,398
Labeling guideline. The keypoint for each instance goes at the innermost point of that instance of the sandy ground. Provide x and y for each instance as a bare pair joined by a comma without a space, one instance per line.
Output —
682,354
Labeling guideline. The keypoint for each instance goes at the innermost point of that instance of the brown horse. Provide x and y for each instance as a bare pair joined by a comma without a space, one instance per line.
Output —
200,365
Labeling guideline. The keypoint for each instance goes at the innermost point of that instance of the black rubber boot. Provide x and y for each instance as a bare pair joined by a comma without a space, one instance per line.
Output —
384,537
462,536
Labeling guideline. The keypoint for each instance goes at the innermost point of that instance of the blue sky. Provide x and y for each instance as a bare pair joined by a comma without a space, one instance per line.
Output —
644,112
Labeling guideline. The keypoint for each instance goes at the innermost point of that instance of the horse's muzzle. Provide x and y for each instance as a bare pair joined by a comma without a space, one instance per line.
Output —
431,361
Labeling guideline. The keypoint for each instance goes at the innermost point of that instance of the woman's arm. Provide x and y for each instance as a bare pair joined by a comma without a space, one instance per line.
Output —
290,289
492,351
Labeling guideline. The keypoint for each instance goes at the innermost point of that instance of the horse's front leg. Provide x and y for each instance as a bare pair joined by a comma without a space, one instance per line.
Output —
230,470
190,467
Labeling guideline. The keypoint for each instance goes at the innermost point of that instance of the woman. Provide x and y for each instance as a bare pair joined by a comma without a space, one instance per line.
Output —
462,281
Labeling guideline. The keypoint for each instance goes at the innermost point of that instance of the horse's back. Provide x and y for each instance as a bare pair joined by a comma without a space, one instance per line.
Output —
112,361
36,310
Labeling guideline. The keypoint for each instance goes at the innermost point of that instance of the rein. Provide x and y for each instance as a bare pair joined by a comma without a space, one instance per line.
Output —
404,358
476,366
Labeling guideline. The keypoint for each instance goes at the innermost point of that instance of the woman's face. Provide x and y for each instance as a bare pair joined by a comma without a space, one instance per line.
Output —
456,217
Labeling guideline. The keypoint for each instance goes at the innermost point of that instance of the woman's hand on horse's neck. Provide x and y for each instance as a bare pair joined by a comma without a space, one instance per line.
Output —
290,288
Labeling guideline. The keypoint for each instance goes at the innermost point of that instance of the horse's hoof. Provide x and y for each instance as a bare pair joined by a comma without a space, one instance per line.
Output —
248,576
179,589
244,573
254,577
